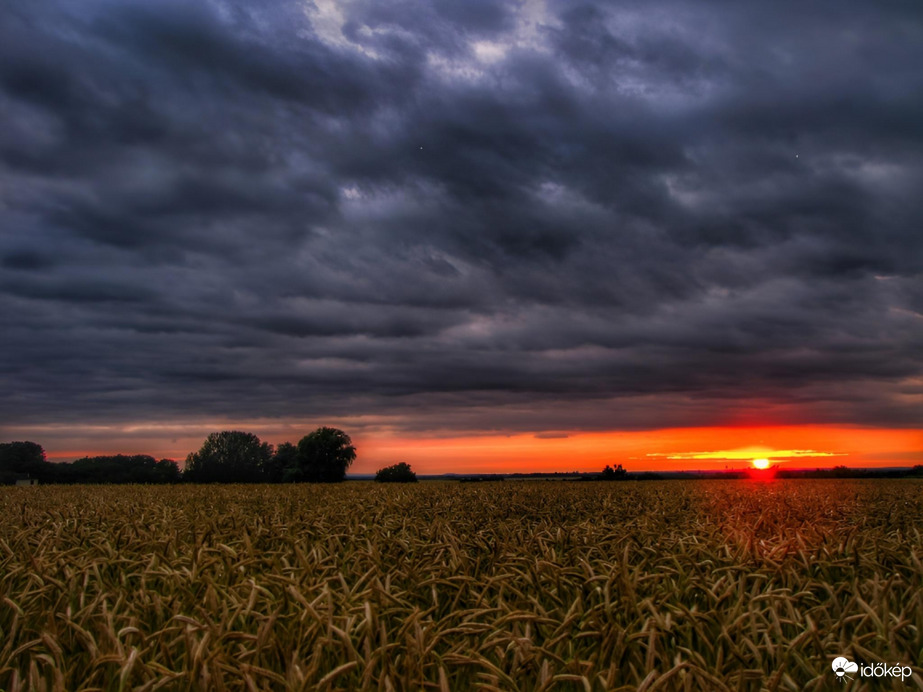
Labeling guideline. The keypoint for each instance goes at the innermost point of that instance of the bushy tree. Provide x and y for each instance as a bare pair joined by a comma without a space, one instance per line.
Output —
396,473
613,474
166,471
323,456
284,464
231,456
23,458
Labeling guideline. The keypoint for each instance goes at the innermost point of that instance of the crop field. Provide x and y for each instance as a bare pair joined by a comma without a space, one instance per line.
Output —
672,585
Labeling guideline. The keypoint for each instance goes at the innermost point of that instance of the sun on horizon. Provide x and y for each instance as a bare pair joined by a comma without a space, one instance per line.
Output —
760,464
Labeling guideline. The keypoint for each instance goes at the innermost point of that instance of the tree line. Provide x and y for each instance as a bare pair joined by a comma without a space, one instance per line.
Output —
26,460
231,456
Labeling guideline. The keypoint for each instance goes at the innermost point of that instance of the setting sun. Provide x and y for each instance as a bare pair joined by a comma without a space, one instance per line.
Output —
761,463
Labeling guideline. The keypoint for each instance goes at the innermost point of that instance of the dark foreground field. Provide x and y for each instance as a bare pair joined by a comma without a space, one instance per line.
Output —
531,586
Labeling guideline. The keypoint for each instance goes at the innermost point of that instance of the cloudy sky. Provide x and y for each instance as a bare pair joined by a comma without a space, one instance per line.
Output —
433,223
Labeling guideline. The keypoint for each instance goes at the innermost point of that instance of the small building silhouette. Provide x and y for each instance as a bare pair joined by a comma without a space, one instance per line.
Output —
23,479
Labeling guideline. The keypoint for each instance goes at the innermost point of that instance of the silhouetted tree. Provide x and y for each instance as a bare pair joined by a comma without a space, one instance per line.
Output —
396,473
139,468
284,464
23,458
323,456
229,457
166,471
613,474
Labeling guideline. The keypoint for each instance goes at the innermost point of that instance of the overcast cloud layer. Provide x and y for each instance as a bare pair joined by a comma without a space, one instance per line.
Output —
462,215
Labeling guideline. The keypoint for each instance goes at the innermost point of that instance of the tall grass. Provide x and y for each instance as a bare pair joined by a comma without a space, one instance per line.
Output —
530,586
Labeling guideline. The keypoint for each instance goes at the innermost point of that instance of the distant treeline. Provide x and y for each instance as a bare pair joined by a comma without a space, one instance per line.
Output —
322,456
835,472
846,472
619,474
26,460
232,456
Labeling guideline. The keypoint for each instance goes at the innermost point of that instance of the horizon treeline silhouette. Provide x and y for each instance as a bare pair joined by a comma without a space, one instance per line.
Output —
22,460
323,456
230,456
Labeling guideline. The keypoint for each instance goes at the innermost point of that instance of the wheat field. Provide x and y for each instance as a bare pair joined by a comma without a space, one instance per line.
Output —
673,585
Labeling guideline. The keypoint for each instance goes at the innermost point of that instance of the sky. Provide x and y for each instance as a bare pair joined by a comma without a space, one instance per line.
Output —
475,235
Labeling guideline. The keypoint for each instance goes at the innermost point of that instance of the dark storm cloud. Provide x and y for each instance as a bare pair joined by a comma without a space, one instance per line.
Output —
468,216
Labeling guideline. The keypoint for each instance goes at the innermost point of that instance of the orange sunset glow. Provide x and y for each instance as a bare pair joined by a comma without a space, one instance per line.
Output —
703,448
710,448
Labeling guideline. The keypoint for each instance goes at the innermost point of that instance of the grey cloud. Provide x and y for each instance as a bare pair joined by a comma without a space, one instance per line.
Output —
470,217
